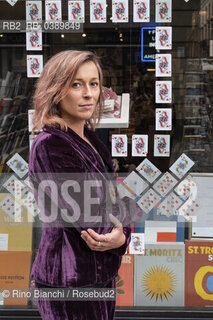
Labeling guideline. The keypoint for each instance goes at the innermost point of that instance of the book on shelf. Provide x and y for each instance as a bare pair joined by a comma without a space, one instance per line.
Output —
124,281
199,273
159,276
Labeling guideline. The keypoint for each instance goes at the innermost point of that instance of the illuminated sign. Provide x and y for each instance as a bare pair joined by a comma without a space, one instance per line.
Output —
148,50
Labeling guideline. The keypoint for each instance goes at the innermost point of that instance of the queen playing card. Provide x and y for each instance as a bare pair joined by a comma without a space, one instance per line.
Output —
163,65
141,11
163,92
97,11
34,66
162,145
33,10
165,184
147,169
76,11
163,11
163,38
18,165
181,166
34,40
136,245
120,11
53,10
163,119
139,145
119,145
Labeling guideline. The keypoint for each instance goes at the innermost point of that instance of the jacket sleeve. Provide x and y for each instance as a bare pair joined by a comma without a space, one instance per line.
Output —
51,164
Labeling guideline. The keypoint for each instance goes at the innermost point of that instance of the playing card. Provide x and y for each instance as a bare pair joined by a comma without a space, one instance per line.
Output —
76,11
169,206
18,165
31,113
141,11
136,245
148,201
181,166
165,184
34,40
186,188
163,119
124,191
29,202
53,10
163,38
33,11
163,91
15,186
12,2
139,145
10,207
148,170
135,183
189,209
31,139
34,66
120,11
97,11
163,65
27,183
163,11
161,145
119,145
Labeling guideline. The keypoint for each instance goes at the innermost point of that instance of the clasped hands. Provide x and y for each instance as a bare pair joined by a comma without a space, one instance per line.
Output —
102,242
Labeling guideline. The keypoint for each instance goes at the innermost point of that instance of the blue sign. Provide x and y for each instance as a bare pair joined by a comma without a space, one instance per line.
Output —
148,50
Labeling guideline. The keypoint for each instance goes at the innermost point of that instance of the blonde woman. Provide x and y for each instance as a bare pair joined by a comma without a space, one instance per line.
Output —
68,104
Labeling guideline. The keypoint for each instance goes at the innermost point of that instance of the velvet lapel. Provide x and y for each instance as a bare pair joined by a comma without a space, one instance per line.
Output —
83,149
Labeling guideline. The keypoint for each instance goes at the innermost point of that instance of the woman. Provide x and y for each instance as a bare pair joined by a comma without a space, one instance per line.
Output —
68,103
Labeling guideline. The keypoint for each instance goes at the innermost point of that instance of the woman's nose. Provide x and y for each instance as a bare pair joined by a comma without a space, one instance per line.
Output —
87,91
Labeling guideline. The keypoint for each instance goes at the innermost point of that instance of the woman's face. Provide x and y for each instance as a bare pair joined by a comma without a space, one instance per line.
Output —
82,97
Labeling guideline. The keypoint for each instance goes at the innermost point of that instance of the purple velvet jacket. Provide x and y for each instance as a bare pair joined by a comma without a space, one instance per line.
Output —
63,258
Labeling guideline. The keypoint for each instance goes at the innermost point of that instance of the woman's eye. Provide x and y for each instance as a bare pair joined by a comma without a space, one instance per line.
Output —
95,84
76,85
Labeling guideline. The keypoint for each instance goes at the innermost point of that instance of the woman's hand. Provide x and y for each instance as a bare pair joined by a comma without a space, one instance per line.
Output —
102,242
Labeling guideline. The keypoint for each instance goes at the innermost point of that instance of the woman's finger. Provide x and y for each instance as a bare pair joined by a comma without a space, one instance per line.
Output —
115,221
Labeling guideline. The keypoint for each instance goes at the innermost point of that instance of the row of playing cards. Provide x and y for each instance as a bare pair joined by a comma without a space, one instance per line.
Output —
53,11
120,145
140,144
120,10
179,168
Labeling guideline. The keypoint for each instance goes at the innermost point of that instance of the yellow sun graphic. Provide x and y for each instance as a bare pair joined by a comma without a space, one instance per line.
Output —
159,283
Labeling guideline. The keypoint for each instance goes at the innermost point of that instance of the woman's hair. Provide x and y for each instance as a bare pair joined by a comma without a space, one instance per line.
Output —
53,85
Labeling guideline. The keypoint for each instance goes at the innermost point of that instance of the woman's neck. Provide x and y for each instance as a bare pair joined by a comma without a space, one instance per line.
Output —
77,128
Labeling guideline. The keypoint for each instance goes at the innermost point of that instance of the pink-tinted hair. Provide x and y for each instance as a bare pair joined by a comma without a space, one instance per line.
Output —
53,85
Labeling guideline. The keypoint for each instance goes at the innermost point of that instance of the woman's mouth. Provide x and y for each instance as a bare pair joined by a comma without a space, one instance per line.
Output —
86,106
